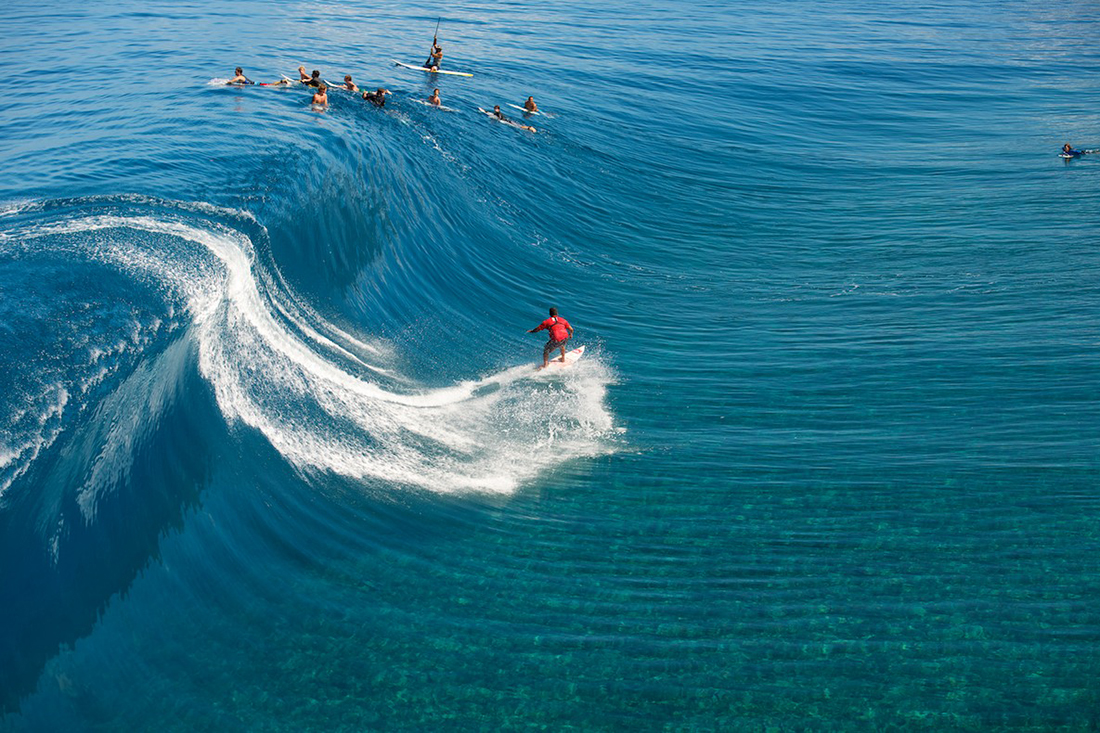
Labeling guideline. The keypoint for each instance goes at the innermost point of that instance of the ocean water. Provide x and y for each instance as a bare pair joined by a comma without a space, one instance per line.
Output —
273,455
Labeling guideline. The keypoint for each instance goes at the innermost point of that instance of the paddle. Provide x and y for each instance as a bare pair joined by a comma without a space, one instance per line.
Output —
435,42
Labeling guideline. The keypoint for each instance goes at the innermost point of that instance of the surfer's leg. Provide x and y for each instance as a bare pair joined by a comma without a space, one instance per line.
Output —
563,353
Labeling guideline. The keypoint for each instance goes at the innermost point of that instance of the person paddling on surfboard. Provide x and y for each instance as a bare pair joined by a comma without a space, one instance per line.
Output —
560,332
349,84
504,118
434,99
378,98
1070,151
240,78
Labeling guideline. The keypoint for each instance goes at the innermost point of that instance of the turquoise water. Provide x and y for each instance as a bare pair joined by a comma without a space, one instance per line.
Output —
273,455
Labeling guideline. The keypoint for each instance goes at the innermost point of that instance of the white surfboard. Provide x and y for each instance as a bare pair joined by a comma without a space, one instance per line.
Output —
429,71
440,107
571,358
529,112
513,123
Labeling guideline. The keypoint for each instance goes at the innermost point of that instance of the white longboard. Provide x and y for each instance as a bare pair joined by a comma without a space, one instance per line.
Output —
440,107
571,358
513,123
429,71
526,111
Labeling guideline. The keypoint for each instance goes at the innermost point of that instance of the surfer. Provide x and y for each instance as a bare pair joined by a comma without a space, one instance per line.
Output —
320,97
314,79
378,98
302,75
530,105
1071,152
435,56
240,78
504,118
349,84
434,99
560,332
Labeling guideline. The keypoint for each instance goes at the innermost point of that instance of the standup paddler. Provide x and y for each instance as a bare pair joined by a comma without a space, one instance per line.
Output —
435,56
560,332
240,78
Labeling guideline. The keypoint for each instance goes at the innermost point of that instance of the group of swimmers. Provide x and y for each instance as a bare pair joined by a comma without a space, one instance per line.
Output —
378,96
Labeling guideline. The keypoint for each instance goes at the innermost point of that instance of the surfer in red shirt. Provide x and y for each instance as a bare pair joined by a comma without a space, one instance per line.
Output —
560,332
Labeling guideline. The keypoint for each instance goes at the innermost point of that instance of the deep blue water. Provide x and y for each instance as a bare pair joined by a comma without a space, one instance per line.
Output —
273,455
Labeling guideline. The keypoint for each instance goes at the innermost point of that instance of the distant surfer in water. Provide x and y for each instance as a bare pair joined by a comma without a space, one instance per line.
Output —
240,78
504,118
530,105
320,97
560,332
314,78
349,84
1070,151
434,99
435,56
378,98
302,75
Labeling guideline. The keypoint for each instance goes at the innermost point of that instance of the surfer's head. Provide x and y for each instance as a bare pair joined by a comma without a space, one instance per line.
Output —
316,73
347,77
238,71
553,311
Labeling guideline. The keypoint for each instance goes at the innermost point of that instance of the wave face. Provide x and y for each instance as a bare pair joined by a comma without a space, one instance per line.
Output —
273,450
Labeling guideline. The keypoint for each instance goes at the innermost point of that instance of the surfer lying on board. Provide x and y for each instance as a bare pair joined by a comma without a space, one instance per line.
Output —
504,118
378,98
240,78
349,84
434,99
530,105
435,56
320,97
560,332
1069,150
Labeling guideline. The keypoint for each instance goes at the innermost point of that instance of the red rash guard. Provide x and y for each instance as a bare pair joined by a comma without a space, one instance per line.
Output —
559,327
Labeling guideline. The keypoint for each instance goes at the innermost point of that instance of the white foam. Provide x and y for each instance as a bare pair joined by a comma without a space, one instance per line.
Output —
488,434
